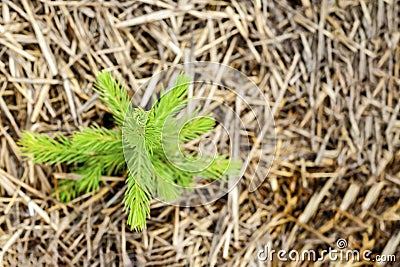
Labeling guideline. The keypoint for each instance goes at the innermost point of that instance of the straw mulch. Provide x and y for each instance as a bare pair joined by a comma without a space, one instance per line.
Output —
330,69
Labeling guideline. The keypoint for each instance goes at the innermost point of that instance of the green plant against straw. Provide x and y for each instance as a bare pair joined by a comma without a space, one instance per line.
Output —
145,144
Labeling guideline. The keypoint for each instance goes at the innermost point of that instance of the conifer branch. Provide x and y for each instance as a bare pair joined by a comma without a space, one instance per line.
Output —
114,95
48,150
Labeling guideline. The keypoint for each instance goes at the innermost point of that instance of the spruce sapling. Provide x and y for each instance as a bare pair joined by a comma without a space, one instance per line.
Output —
139,145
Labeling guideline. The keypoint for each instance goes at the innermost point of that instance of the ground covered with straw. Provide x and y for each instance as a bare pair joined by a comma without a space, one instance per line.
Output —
331,73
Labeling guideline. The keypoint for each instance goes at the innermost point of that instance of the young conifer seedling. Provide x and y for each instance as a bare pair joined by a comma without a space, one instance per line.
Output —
145,144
